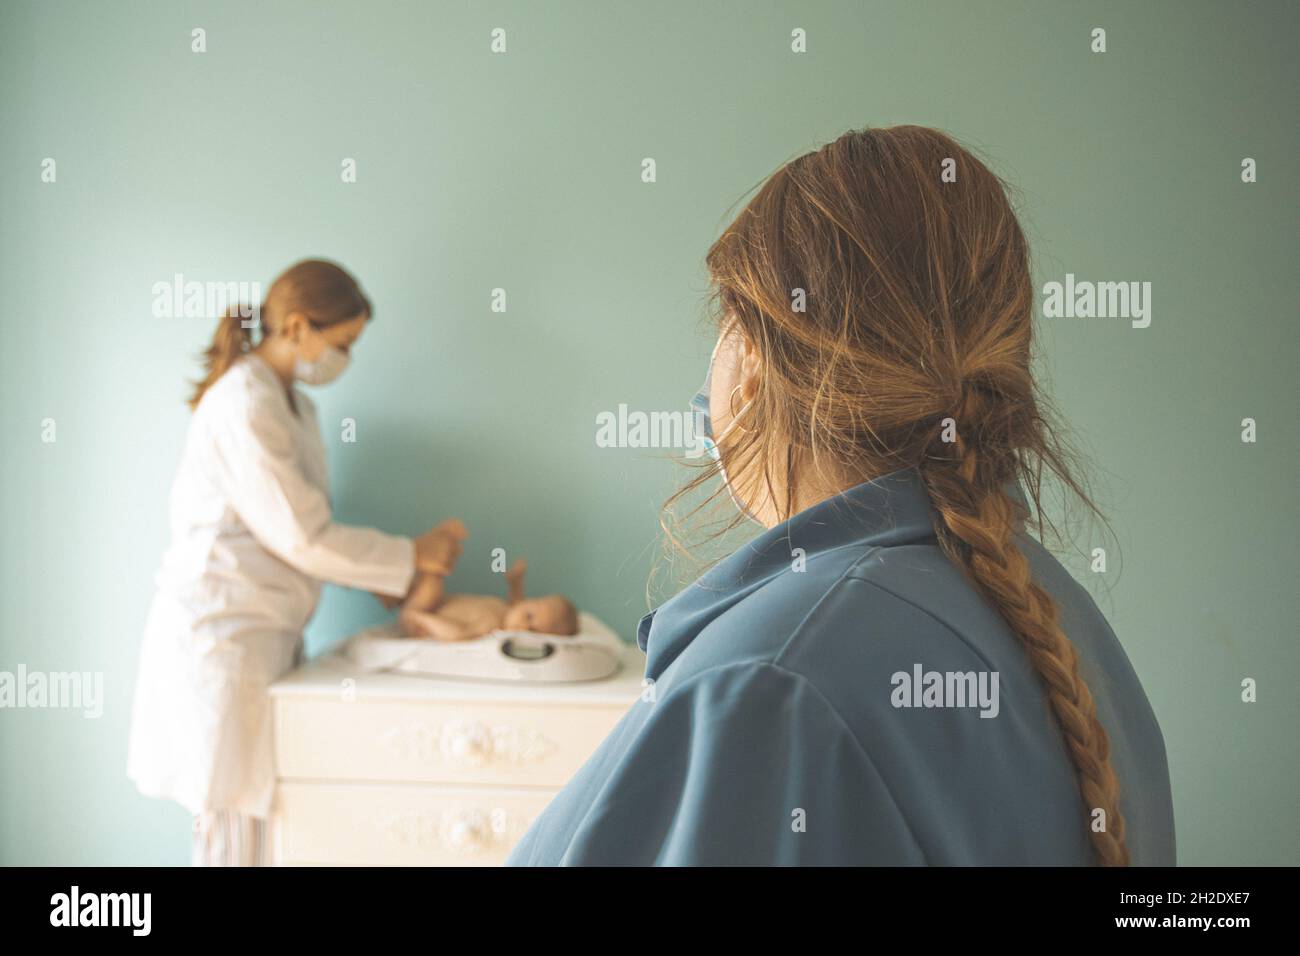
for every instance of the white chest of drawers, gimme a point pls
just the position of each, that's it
(389, 769)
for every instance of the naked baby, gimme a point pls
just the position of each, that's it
(429, 611)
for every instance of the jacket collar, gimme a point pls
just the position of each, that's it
(886, 511)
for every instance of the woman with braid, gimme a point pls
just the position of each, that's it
(895, 671)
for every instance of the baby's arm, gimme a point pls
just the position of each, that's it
(515, 582)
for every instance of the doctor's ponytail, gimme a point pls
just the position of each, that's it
(884, 283)
(231, 340)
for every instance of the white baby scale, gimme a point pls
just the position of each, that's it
(591, 654)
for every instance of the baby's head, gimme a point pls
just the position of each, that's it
(545, 615)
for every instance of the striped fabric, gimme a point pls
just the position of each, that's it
(229, 838)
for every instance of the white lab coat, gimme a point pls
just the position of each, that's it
(251, 539)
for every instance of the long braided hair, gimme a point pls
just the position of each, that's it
(884, 282)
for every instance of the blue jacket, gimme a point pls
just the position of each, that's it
(794, 715)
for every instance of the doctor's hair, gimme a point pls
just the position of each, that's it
(913, 350)
(323, 291)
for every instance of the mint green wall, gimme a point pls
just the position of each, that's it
(522, 171)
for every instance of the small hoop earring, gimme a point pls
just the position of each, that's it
(731, 407)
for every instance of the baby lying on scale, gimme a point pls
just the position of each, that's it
(429, 611)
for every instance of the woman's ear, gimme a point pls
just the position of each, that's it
(295, 325)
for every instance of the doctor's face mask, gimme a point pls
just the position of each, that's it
(329, 365)
(332, 360)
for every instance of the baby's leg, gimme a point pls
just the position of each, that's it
(426, 593)
(416, 623)
(515, 581)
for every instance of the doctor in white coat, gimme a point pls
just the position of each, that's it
(252, 538)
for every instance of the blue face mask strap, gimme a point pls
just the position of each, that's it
(704, 429)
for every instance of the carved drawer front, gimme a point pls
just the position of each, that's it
(377, 825)
(518, 745)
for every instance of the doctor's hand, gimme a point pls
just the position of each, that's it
(438, 549)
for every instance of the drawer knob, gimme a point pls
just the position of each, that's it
(466, 834)
(467, 744)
